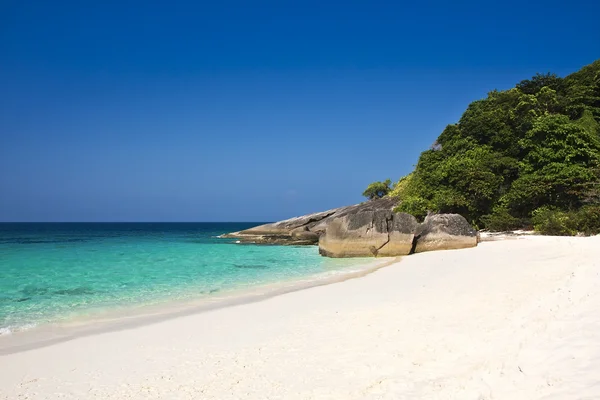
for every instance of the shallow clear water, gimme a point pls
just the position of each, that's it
(53, 272)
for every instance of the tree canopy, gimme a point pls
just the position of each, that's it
(377, 190)
(535, 146)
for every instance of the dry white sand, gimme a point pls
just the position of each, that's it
(514, 319)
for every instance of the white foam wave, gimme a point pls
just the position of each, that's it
(9, 330)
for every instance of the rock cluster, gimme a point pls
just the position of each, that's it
(366, 229)
(384, 233)
(307, 229)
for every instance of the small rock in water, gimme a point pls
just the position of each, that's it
(23, 299)
(75, 291)
(250, 266)
(32, 290)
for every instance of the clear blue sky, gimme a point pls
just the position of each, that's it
(249, 110)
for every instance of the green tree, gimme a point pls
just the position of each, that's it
(539, 81)
(377, 190)
(561, 156)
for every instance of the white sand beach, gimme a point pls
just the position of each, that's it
(512, 319)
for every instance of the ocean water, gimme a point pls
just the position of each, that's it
(51, 273)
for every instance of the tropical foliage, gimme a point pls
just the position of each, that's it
(377, 190)
(525, 156)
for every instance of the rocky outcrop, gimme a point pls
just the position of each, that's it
(369, 233)
(366, 229)
(307, 229)
(444, 232)
(384, 233)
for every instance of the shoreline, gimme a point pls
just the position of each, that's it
(508, 319)
(124, 317)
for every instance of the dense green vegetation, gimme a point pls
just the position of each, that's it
(528, 156)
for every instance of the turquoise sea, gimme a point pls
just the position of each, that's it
(54, 272)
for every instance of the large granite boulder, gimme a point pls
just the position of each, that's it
(368, 233)
(444, 232)
(307, 229)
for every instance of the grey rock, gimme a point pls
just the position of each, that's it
(304, 234)
(444, 232)
(368, 233)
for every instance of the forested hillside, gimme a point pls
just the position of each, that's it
(525, 156)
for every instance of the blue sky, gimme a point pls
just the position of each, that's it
(248, 111)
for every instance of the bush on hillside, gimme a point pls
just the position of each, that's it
(587, 220)
(501, 220)
(552, 221)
